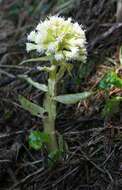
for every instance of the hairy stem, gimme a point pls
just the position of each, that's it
(50, 106)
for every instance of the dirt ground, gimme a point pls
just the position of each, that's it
(93, 160)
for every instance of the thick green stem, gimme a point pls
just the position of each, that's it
(50, 106)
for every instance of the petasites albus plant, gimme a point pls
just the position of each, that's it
(57, 41)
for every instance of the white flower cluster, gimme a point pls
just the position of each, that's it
(59, 38)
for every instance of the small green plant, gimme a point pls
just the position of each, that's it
(59, 41)
(112, 80)
(111, 106)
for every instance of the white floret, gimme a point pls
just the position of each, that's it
(30, 47)
(31, 37)
(40, 49)
(59, 56)
(40, 37)
(80, 42)
(78, 28)
(60, 38)
(39, 27)
(74, 52)
(52, 47)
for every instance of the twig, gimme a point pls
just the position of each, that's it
(94, 164)
(103, 36)
(65, 176)
(15, 67)
(104, 171)
(26, 178)
(5, 135)
(6, 73)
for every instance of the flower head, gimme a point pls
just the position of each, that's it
(59, 38)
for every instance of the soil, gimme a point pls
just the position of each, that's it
(93, 158)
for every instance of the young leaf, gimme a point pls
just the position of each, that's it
(111, 106)
(31, 107)
(54, 157)
(37, 85)
(67, 67)
(72, 98)
(61, 72)
(35, 60)
(37, 139)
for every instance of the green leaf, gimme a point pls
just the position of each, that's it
(34, 109)
(72, 98)
(110, 80)
(35, 60)
(61, 72)
(37, 85)
(61, 143)
(37, 139)
(67, 67)
(54, 157)
(112, 106)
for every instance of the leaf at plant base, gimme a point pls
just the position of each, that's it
(34, 109)
(37, 85)
(35, 60)
(37, 139)
(54, 157)
(111, 107)
(72, 98)
(110, 80)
